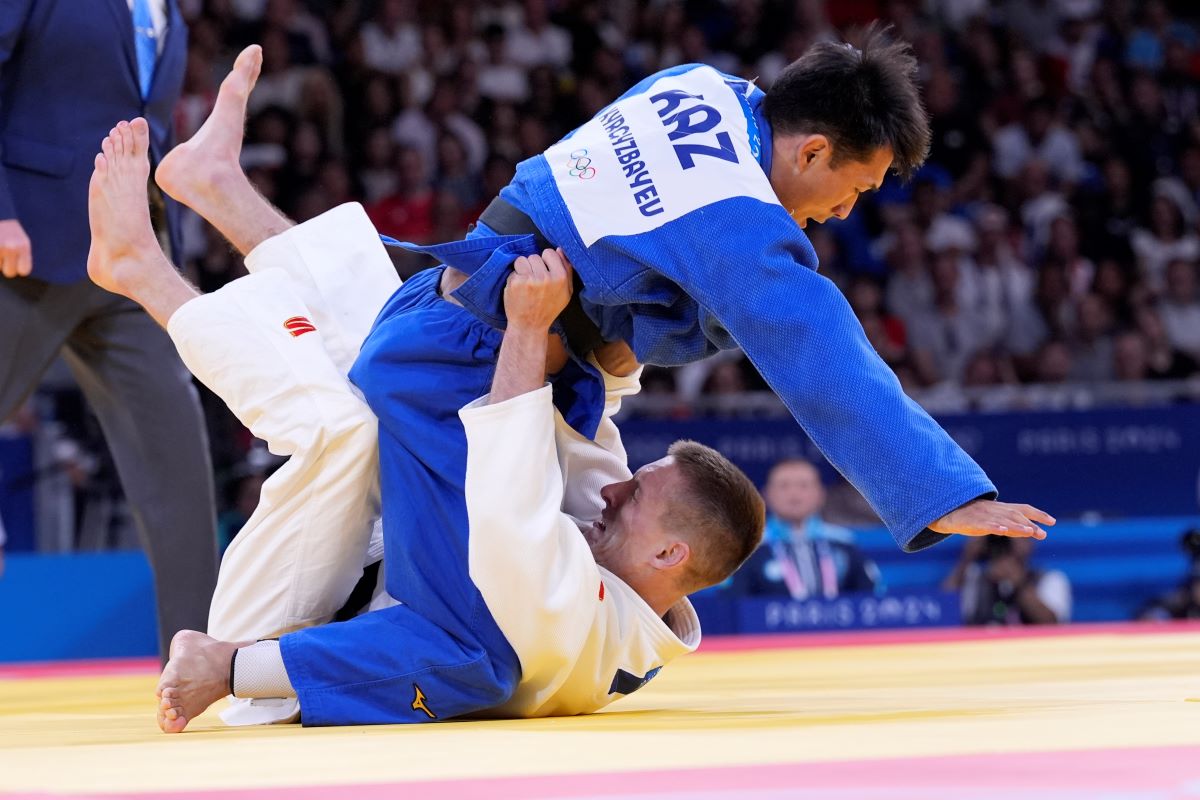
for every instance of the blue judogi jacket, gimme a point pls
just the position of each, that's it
(663, 205)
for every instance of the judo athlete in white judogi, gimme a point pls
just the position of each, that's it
(536, 575)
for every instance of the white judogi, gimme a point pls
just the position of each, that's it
(298, 557)
(583, 636)
(296, 560)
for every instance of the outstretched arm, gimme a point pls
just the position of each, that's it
(800, 332)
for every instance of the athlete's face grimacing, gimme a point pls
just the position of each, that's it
(630, 539)
(811, 189)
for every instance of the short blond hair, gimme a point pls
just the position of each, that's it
(720, 512)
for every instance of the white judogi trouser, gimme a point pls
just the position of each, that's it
(299, 556)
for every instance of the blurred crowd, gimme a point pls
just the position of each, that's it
(1049, 248)
(1051, 240)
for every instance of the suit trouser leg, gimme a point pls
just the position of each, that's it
(152, 421)
(35, 319)
(148, 410)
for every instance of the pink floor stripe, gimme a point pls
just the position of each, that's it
(770, 641)
(1136, 773)
(78, 669)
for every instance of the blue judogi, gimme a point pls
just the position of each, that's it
(440, 655)
(663, 205)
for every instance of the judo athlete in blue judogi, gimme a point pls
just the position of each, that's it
(535, 576)
(681, 207)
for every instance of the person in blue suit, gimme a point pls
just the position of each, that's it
(69, 71)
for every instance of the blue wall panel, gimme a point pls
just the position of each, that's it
(86, 605)
(1120, 462)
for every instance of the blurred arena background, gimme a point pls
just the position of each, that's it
(1036, 287)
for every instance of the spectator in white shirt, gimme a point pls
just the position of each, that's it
(1040, 136)
(1167, 237)
(537, 41)
(500, 79)
(1180, 307)
(391, 42)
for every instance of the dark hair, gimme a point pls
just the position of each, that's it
(861, 100)
(721, 513)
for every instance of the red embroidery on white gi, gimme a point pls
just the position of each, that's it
(298, 326)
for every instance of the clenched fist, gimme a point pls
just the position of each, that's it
(538, 290)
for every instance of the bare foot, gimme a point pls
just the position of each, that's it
(195, 171)
(123, 240)
(196, 676)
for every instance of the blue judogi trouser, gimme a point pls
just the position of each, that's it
(440, 654)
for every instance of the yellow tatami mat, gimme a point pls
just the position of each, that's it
(757, 717)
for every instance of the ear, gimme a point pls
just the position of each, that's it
(812, 149)
(675, 554)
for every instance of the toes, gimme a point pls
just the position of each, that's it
(256, 67)
(170, 708)
(174, 725)
(117, 142)
(140, 136)
(246, 68)
(126, 135)
(171, 721)
(108, 147)
(250, 58)
(170, 712)
(101, 163)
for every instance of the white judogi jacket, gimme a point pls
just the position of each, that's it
(584, 638)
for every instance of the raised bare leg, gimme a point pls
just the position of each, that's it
(125, 256)
(205, 175)
(196, 676)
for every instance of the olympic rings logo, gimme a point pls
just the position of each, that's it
(581, 166)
